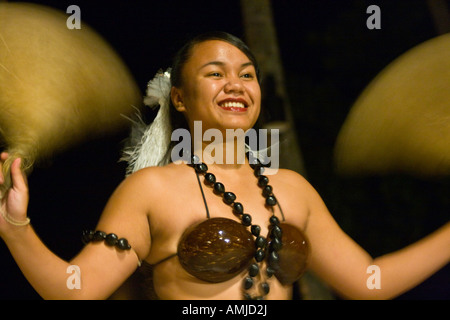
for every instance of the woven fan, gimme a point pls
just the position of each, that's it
(401, 121)
(58, 86)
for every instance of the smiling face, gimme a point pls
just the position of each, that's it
(219, 87)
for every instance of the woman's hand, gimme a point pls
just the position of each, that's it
(14, 202)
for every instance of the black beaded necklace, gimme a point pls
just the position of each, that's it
(266, 249)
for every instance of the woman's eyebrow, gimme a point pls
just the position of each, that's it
(221, 64)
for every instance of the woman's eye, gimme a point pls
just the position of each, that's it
(247, 76)
(215, 74)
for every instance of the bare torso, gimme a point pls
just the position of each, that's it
(180, 205)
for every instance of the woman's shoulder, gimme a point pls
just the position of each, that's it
(294, 183)
(288, 177)
(156, 176)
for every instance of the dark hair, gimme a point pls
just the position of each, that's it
(186, 51)
(183, 55)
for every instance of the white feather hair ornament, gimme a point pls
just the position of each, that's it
(150, 144)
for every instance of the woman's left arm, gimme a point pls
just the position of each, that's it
(352, 272)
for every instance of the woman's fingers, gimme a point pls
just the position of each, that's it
(3, 157)
(15, 201)
(18, 177)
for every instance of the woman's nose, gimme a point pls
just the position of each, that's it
(234, 85)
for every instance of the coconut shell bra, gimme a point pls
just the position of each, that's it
(218, 249)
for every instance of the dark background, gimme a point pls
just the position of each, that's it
(329, 56)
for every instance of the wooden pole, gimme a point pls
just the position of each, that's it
(260, 35)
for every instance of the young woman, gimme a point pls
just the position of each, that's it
(225, 230)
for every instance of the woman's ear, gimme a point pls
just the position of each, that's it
(177, 99)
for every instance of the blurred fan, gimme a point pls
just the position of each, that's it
(57, 86)
(401, 121)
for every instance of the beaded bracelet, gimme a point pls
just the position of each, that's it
(13, 221)
(110, 239)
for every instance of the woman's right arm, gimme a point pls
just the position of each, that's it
(102, 268)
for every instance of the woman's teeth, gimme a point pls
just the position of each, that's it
(232, 105)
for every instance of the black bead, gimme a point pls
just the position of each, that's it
(255, 229)
(258, 170)
(275, 244)
(219, 188)
(274, 258)
(276, 232)
(229, 197)
(246, 219)
(260, 242)
(210, 178)
(195, 159)
(238, 208)
(253, 270)
(270, 271)
(111, 239)
(274, 220)
(87, 236)
(248, 283)
(99, 236)
(265, 287)
(271, 201)
(247, 296)
(267, 191)
(263, 181)
(260, 255)
(122, 244)
(201, 167)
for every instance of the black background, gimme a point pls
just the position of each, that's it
(329, 56)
